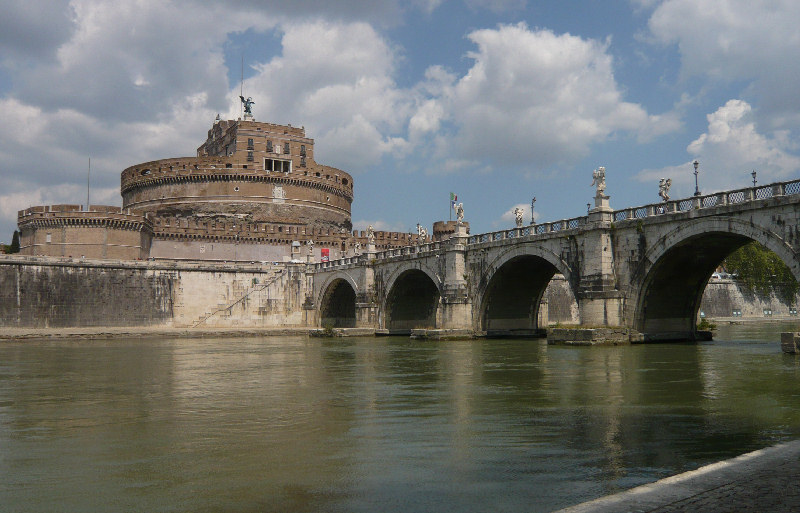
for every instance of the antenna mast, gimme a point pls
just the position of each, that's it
(88, 174)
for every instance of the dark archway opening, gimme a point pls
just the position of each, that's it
(512, 298)
(412, 303)
(673, 289)
(339, 305)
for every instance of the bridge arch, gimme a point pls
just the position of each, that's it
(337, 301)
(413, 299)
(668, 285)
(512, 288)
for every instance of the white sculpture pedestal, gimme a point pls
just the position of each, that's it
(602, 210)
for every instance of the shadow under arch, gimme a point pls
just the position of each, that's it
(412, 302)
(338, 305)
(670, 285)
(511, 291)
(510, 303)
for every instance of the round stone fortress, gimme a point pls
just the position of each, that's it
(256, 172)
(254, 192)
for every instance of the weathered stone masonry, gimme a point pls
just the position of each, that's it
(46, 292)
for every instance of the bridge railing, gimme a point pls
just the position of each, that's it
(654, 209)
(409, 250)
(678, 205)
(388, 253)
(710, 200)
(530, 230)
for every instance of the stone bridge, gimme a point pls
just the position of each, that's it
(642, 268)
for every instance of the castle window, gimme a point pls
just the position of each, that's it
(250, 156)
(269, 146)
(303, 150)
(228, 166)
(250, 144)
(303, 161)
(286, 148)
(145, 172)
(344, 181)
(236, 189)
(280, 166)
(48, 238)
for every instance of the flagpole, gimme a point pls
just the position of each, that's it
(88, 175)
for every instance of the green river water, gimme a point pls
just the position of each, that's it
(376, 424)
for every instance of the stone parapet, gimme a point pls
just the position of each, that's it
(101, 231)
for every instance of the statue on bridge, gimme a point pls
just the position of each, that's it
(310, 245)
(663, 188)
(459, 208)
(533, 217)
(370, 235)
(518, 213)
(599, 180)
(423, 234)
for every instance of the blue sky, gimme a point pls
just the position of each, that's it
(495, 100)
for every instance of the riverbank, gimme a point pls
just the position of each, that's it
(763, 480)
(89, 333)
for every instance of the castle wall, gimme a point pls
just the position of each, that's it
(69, 231)
(40, 292)
(256, 197)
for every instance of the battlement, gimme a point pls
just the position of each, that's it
(52, 215)
(101, 231)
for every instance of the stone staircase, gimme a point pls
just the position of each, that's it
(221, 313)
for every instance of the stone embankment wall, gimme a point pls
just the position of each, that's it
(720, 299)
(41, 292)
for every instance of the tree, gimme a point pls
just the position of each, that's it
(760, 270)
(15, 242)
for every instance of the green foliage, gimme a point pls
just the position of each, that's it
(14, 248)
(327, 329)
(761, 271)
(704, 325)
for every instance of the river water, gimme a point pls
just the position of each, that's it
(376, 424)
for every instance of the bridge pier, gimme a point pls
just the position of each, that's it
(601, 309)
(600, 303)
(456, 306)
(366, 313)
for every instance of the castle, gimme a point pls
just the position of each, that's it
(253, 193)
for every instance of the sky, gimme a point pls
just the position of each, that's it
(497, 101)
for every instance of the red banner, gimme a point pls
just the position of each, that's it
(326, 254)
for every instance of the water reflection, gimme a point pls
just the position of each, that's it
(367, 424)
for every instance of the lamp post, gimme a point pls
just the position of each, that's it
(753, 174)
(696, 188)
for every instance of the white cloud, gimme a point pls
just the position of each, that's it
(71, 194)
(131, 61)
(728, 151)
(732, 40)
(534, 99)
(335, 79)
